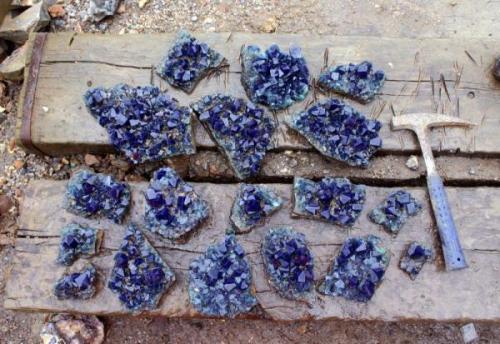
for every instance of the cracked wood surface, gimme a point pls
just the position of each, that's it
(434, 295)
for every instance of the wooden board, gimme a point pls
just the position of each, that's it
(471, 294)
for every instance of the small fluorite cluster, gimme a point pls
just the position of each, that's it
(173, 208)
(357, 271)
(77, 285)
(187, 62)
(274, 78)
(242, 130)
(220, 280)
(288, 262)
(414, 258)
(77, 241)
(335, 200)
(139, 276)
(338, 131)
(91, 194)
(395, 210)
(144, 123)
(358, 81)
(253, 203)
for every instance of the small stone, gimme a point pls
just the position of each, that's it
(270, 25)
(194, 18)
(57, 11)
(91, 160)
(12, 67)
(71, 328)
(77, 285)
(472, 171)
(18, 164)
(469, 333)
(45, 109)
(496, 69)
(412, 163)
(6, 204)
(142, 3)
(414, 258)
(100, 9)
(65, 161)
(17, 29)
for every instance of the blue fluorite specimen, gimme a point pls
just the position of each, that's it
(144, 123)
(414, 258)
(139, 276)
(335, 200)
(220, 280)
(187, 62)
(76, 241)
(395, 210)
(274, 78)
(173, 208)
(77, 285)
(339, 131)
(242, 130)
(358, 81)
(357, 271)
(289, 262)
(90, 194)
(251, 205)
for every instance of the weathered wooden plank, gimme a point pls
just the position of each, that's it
(434, 295)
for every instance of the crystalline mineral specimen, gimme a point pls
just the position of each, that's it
(173, 208)
(395, 210)
(144, 123)
(274, 78)
(358, 81)
(139, 276)
(242, 130)
(357, 271)
(77, 285)
(338, 131)
(76, 241)
(289, 262)
(91, 194)
(251, 205)
(414, 258)
(187, 62)
(220, 280)
(335, 200)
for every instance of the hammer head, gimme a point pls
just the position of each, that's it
(415, 121)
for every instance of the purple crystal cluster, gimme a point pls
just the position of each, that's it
(77, 241)
(338, 131)
(144, 123)
(77, 285)
(335, 200)
(242, 130)
(173, 208)
(414, 258)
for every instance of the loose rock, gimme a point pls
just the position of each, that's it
(13, 66)
(57, 11)
(18, 164)
(68, 328)
(100, 9)
(91, 160)
(17, 29)
(412, 163)
(469, 333)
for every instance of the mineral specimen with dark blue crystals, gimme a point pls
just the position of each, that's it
(251, 205)
(357, 271)
(289, 262)
(274, 78)
(144, 123)
(187, 62)
(173, 208)
(395, 210)
(335, 200)
(77, 285)
(139, 276)
(220, 280)
(338, 131)
(358, 81)
(414, 258)
(90, 194)
(76, 241)
(242, 130)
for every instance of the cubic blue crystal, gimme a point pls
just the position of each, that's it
(357, 271)
(274, 78)
(288, 262)
(77, 241)
(242, 130)
(90, 194)
(414, 258)
(220, 280)
(143, 122)
(77, 285)
(140, 276)
(334, 200)
(173, 208)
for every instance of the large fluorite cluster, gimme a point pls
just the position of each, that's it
(91, 194)
(220, 280)
(289, 262)
(253, 203)
(358, 81)
(77, 285)
(335, 200)
(242, 130)
(357, 271)
(395, 210)
(77, 241)
(187, 62)
(144, 123)
(339, 131)
(274, 78)
(139, 276)
(414, 258)
(173, 208)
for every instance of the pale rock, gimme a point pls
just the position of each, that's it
(91, 160)
(13, 66)
(100, 9)
(412, 163)
(17, 29)
(24, 3)
(142, 3)
(68, 328)
(469, 333)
